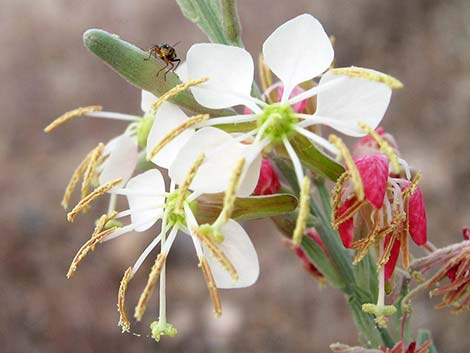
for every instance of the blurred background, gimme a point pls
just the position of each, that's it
(45, 71)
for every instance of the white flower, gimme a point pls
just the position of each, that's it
(227, 261)
(297, 51)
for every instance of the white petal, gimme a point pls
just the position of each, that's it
(239, 249)
(352, 100)
(122, 159)
(168, 117)
(144, 209)
(297, 51)
(222, 154)
(149, 98)
(229, 69)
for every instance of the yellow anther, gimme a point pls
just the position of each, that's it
(184, 187)
(150, 286)
(209, 278)
(217, 253)
(410, 189)
(123, 320)
(91, 169)
(86, 248)
(370, 75)
(231, 193)
(91, 197)
(102, 221)
(384, 146)
(177, 131)
(352, 169)
(336, 195)
(177, 90)
(70, 115)
(303, 212)
(387, 251)
(78, 172)
(364, 244)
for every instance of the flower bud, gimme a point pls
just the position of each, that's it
(268, 182)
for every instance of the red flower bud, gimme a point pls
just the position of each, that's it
(268, 182)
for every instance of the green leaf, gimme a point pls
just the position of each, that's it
(318, 257)
(231, 21)
(130, 62)
(206, 15)
(315, 160)
(245, 208)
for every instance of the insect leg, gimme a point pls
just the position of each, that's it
(170, 69)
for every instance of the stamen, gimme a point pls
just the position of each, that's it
(177, 131)
(387, 251)
(177, 90)
(303, 212)
(91, 197)
(352, 169)
(217, 254)
(410, 189)
(295, 160)
(91, 168)
(78, 172)
(383, 144)
(231, 194)
(123, 320)
(320, 141)
(102, 221)
(150, 286)
(266, 78)
(206, 270)
(336, 194)
(183, 189)
(338, 219)
(86, 248)
(354, 71)
(70, 115)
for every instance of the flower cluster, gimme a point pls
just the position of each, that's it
(245, 155)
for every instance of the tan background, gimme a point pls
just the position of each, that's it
(45, 71)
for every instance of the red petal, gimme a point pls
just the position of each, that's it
(268, 182)
(466, 233)
(374, 174)
(417, 218)
(411, 347)
(392, 260)
(346, 229)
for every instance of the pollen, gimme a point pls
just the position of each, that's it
(123, 320)
(370, 75)
(218, 254)
(77, 174)
(91, 197)
(91, 169)
(231, 193)
(150, 286)
(102, 221)
(177, 90)
(70, 115)
(303, 212)
(352, 169)
(183, 189)
(384, 146)
(86, 248)
(208, 276)
(176, 132)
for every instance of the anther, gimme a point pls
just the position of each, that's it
(77, 174)
(184, 187)
(177, 131)
(102, 221)
(91, 168)
(383, 144)
(91, 197)
(123, 320)
(150, 286)
(354, 71)
(70, 115)
(352, 169)
(177, 90)
(231, 194)
(217, 254)
(206, 270)
(86, 248)
(303, 212)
